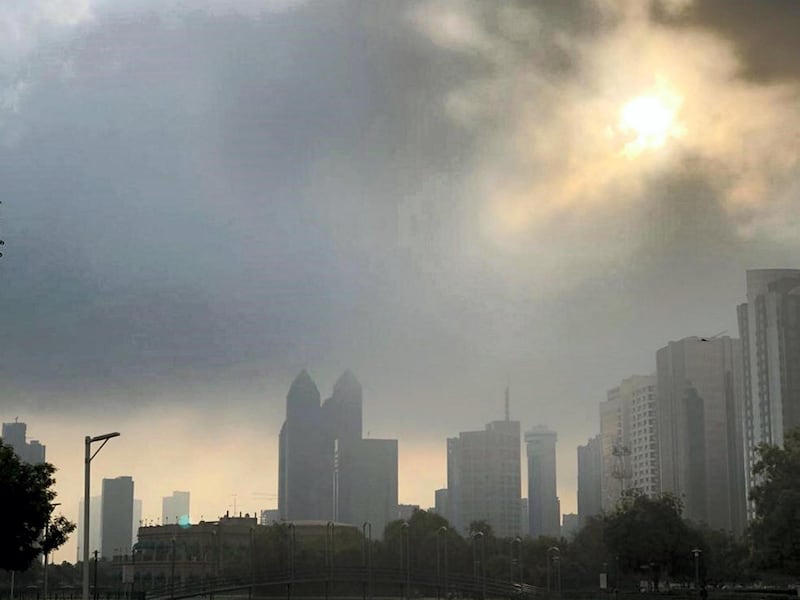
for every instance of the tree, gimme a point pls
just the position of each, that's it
(775, 531)
(28, 506)
(649, 535)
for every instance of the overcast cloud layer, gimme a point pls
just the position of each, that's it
(442, 196)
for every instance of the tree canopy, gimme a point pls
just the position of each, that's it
(775, 531)
(27, 529)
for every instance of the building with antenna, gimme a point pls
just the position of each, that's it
(483, 477)
(629, 439)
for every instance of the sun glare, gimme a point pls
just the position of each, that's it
(649, 121)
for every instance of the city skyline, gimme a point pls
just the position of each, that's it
(202, 199)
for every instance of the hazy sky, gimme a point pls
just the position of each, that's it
(202, 197)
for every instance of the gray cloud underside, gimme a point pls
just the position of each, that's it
(186, 195)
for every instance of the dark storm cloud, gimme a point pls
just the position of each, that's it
(763, 33)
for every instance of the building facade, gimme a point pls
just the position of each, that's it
(699, 392)
(590, 478)
(116, 533)
(543, 509)
(483, 471)
(175, 508)
(15, 435)
(629, 439)
(327, 470)
(769, 326)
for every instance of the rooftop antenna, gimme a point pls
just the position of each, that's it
(508, 408)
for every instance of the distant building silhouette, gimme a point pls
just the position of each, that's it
(590, 478)
(699, 389)
(327, 470)
(406, 511)
(14, 435)
(570, 525)
(524, 517)
(305, 485)
(543, 507)
(175, 508)
(95, 525)
(440, 502)
(769, 326)
(483, 478)
(116, 533)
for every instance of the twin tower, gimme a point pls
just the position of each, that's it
(326, 470)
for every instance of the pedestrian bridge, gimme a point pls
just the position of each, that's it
(350, 582)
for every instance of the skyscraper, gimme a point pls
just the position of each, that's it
(699, 387)
(116, 534)
(590, 474)
(543, 508)
(326, 469)
(175, 508)
(365, 483)
(15, 435)
(769, 325)
(483, 472)
(305, 482)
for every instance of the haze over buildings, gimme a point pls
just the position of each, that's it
(202, 198)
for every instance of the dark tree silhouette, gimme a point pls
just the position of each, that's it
(27, 529)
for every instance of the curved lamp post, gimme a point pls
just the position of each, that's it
(87, 461)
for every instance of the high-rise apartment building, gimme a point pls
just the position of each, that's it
(769, 326)
(15, 435)
(590, 478)
(699, 392)
(483, 477)
(175, 508)
(116, 534)
(629, 439)
(543, 509)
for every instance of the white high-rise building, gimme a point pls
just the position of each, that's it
(629, 439)
(769, 326)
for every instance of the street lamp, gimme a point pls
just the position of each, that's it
(87, 461)
(551, 549)
(697, 552)
(441, 533)
(405, 556)
(366, 537)
(478, 535)
(518, 541)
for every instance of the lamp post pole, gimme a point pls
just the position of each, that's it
(697, 552)
(441, 533)
(87, 461)
(366, 535)
(478, 535)
(405, 556)
(549, 550)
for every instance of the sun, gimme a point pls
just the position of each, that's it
(648, 121)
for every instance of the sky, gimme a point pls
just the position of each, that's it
(202, 198)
